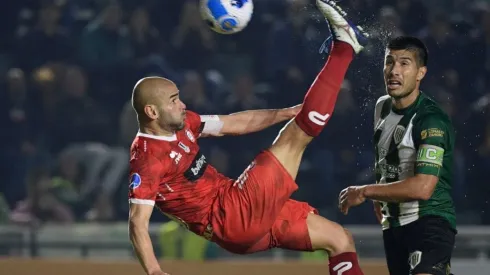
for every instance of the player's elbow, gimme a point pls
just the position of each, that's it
(426, 187)
(137, 235)
(424, 195)
(137, 227)
(139, 217)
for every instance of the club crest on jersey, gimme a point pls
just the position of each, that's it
(184, 147)
(415, 258)
(190, 135)
(398, 134)
(135, 181)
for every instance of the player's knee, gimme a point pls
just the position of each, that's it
(349, 238)
(343, 243)
(329, 236)
(291, 135)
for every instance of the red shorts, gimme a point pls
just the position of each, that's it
(255, 213)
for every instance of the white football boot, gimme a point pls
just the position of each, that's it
(340, 27)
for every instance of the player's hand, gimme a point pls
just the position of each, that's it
(159, 273)
(349, 197)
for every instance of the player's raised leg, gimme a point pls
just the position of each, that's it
(320, 99)
(289, 146)
(258, 213)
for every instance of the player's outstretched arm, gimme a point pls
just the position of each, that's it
(139, 220)
(432, 138)
(418, 187)
(251, 121)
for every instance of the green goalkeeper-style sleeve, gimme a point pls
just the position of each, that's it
(431, 140)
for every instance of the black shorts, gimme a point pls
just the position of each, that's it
(421, 247)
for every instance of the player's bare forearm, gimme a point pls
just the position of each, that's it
(143, 247)
(139, 219)
(251, 121)
(418, 187)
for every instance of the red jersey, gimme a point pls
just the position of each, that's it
(172, 174)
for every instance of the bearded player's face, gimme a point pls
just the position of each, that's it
(402, 74)
(172, 112)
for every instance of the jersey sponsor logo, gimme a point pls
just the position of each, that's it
(430, 154)
(431, 132)
(318, 118)
(197, 168)
(398, 134)
(342, 267)
(135, 181)
(414, 259)
(175, 156)
(184, 147)
(190, 135)
(389, 171)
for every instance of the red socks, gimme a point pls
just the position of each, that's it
(344, 264)
(320, 100)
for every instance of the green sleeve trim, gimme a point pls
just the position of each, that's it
(427, 169)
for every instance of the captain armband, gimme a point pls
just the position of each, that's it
(430, 154)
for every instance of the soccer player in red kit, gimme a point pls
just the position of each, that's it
(254, 212)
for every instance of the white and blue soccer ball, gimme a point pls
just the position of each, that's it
(227, 16)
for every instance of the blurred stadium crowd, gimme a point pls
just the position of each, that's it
(68, 67)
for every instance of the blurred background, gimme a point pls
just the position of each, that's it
(67, 69)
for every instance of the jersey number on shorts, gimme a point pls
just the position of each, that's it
(342, 267)
(318, 118)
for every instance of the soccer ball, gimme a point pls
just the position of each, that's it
(227, 16)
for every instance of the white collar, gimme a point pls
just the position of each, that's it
(165, 138)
